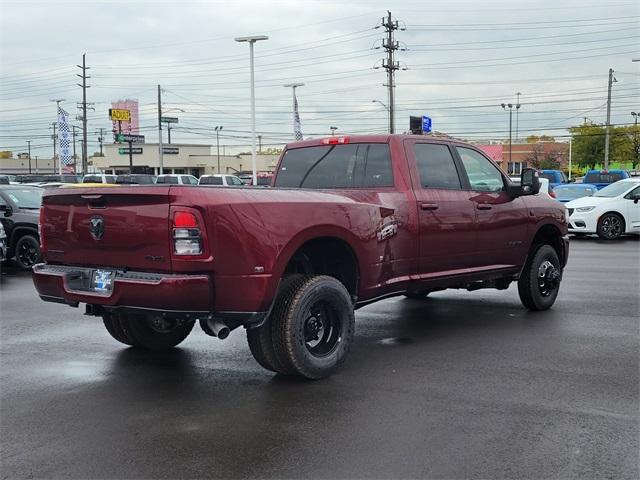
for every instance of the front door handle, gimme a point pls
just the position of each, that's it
(484, 206)
(429, 206)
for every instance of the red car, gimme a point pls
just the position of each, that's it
(351, 220)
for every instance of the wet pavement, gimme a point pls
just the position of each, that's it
(462, 385)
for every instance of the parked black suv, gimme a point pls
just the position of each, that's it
(19, 214)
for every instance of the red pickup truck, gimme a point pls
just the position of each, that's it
(351, 220)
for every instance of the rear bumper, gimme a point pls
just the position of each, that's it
(138, 290)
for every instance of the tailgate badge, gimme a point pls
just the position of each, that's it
(96, 227)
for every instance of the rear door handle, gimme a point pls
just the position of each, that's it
(484, 206)
(429, 206)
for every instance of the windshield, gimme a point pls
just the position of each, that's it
(168, 179)
(574, 192)
(30, 198)
(549, 176)
(210, 180)
(614, 189)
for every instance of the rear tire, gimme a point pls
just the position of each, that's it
(27, 252)
(148, 332)
(610, 226)
(260, 339)
(539, 282)
(313, 326)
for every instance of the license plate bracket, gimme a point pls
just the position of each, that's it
(102, 280)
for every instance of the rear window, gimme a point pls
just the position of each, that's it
(210, 180)
(574, 192)
(172, 180)
(549, 176)
(92, 179)
(358, 165)
(602, 177)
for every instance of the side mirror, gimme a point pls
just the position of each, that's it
(8, 211)
(635, 197)
(529, 182)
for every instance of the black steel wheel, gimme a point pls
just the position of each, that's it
(27, 252)
(540, 279)
(313, 326)
(610, 226)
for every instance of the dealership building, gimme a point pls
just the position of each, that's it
(178, 158)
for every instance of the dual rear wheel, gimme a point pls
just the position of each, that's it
(310, 330)
(149, 332)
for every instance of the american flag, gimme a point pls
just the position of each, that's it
(64, 139)
(297, 128)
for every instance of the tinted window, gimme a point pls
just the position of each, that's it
(92, 179)
(436, 166)
(483, 175)
(336, 166)
(598, 177)
(26, 198)
(549, 176)
(210, 180)
(172, 180)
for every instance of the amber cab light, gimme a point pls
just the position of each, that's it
(185, 220)
(335, 140)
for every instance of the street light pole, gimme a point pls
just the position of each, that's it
(29, 154)
(251, 40)
(218, 129)
(387, 109)
(517, 110)
(510, 107)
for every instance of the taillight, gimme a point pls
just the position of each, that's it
(187, 237)
(335, 140)
(41, 229)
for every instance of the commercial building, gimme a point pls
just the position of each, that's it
(19, 165)
(179, 158)
(526, 154)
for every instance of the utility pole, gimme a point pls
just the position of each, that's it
(517, 110)
(29, 153)
(390, 65)
(161, 169)
(84, 87)
(100, 140)
(259, 143)
(55, 124)
(608, 126)
(218, 129)
(73, 134)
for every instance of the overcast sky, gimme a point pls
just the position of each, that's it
(463, 59)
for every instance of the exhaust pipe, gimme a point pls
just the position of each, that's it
(215, 328)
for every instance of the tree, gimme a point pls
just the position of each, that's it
(588, 145)
(540, 160)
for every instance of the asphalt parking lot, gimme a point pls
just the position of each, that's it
(462, 385)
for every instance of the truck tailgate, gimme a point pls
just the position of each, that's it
(122, 227)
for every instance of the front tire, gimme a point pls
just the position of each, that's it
(27, 252)
(148, 332)
(539, 282)
(313, 326)
(610, 226)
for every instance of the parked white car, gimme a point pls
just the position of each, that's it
(545, 190)
(610, 212)
(221, 179)
(177, 179)
(99, 178)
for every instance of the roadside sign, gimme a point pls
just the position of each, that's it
(169, 119)
(134, 151)
(119, 115)
(127, 137)
(426, 124)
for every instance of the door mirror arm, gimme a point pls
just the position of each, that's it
(8, 211)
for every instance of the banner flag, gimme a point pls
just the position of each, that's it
(297, 128)
(64, 139)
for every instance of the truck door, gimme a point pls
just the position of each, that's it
(445, 210)
(501, 220)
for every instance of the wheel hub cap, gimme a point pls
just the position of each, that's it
(548, 278)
